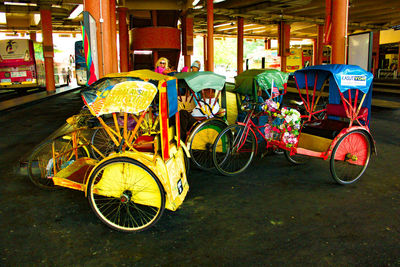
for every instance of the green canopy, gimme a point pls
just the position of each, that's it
(247, 81)
(200, 80)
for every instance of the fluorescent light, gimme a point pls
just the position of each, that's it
(198, 7)
(19, 4)
(225, 29)
(77, 11)
(218, 1)
(142, 52)
(256, 28)
(220, 25)
(195, 2)
(3, 19)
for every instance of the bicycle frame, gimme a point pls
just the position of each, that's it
(250, 126)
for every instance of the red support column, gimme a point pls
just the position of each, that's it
(123, 39)
(283, 43)
(187, 39)
(32, 36)
(375, 52)
(210, 35)
(93, 7)
(320, 45)
(267, 43)
(205, 51)
(154, 22)
(113, 25)
(106, 39)
(339, 31)
(398, 60)
(240, 28)
(314, 52)
(48, 51)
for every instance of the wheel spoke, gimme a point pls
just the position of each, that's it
(137, 200)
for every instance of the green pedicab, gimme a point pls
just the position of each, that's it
(199, 95)
(253, 88)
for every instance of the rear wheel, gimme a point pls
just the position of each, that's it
(350, 157)
(233, 151)
(126, 195)
(103, 142)
(296, 159)
(202, 142)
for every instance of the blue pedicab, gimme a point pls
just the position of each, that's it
(343, 136)
(199, 95)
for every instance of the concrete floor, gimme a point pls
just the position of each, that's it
(273, 214)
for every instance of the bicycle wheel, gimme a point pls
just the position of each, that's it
(296, 159)
(202, 142)
(233, 151)
(102, 141)
(350, 157)
(125, 195)
(41, 163)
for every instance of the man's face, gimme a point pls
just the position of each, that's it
(195, 69)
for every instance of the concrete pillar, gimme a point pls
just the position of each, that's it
(32, 36)
(240, 28)
(319, 45)
(210, 35)
(283, 43)
(339, 31)
(123, 39)
(113, 27)
(48, 50)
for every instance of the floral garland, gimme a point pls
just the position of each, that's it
(289, 123)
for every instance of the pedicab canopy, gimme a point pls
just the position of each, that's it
(345, 76)
(200, 80)
(130, 92)
(343, 79)
(266, 79)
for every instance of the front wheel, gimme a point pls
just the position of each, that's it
(350, 157)
(126, 195)
(202, 142)
(234, 149)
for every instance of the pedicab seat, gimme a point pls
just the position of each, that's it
(329, 128)
(339, 111)
(145, 143)
(324, 128)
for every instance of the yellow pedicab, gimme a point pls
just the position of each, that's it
(129, 188)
